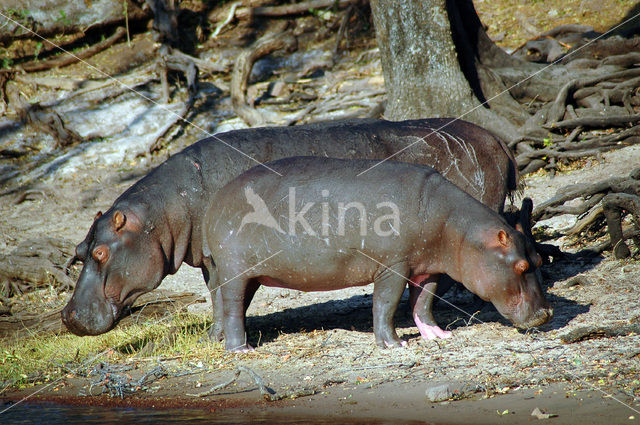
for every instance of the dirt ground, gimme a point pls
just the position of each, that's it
(316, 351)
(322, 343)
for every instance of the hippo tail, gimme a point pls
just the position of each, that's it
(514, 186)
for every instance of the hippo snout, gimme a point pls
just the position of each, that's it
(538, 318)
(95, 320)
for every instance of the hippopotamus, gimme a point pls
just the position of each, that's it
(293, 228)
(156, 224)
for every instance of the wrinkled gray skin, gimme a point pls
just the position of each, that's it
(439, 229)
(156, 225)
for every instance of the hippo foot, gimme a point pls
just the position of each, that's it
(246, 348)
(216, 333)
(391, 343)
(430, 332)
(395, 344)
(621, 250)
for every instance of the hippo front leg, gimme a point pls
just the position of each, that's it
(210, 274)
(421, 300)
(388, 287)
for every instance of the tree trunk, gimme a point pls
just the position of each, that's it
(432, 58)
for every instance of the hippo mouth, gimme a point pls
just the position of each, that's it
(524, 315)
(539, 318)
(91, 318)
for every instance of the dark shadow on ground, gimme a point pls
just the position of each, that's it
(355, 313)
(460, 308)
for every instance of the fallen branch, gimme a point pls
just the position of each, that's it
(311, 106)
(613, 204)
(242, 70)
(33, 264)
(69, 58)
(290, 9)
(600, 331)
(585, 221)
(626, 234)
(596, 122)
(173, 119)
(218, 387)
(624, 60)
(96, 91)
(267, 393)
(228, 19)
(599, 141)
(40, 117)
(618, 195)
(576, 209)
(118, 384)
(571, 192)
(170, 60)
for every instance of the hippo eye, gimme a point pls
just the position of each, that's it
(521, 266)
(100, 254)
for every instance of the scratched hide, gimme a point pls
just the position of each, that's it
(161, 215)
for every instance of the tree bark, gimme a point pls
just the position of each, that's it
(432, 53)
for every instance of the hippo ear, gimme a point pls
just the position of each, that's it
(97, 216)
(503, 238)
(537, 260)
(119, 219)
(521, 266)
(81, 251)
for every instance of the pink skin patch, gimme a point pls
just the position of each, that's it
(430, 332)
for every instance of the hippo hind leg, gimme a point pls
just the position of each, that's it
(388, 287)
(236, 297)
(421, 299)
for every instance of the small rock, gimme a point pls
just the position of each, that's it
(542, 415)
(447, 390)
(437, 393)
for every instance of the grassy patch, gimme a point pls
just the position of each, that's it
(41, 358)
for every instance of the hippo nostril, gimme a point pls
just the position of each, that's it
(541, 317)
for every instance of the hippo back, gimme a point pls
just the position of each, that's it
(467, 155)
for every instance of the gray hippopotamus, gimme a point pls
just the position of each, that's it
(156, 225)
(323, 224)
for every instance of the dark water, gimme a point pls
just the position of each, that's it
(52, 414)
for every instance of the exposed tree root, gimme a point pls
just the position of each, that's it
(267, 393)
(35, 263)
(68, 59)
(610, 197)
(600, 331)
(242, 70)
(613, 205)
(289, 9)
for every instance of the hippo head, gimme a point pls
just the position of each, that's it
(121, 262)
(500, 266)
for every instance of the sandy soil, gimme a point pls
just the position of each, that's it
(323, 342)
